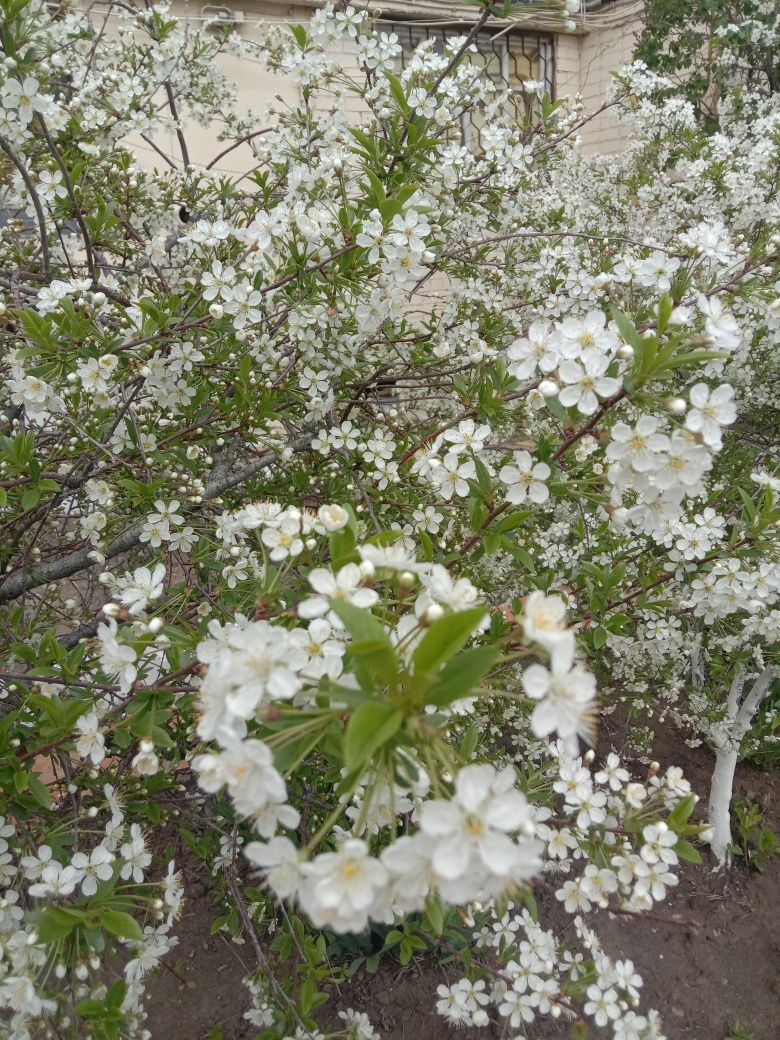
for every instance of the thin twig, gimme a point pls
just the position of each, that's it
(36, 201)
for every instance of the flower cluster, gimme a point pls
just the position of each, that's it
(338, 470)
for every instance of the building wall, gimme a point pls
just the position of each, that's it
(256, 88)
(583, 63)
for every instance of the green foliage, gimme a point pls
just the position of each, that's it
(756, 843)
(738, 1032)
(703, 45)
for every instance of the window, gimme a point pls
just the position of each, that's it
(508, 58)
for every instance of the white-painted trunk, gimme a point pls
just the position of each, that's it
(721, 789)
(727, 743)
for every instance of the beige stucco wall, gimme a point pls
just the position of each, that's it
(256, 88)
(583, 63)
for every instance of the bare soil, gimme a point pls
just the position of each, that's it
(709, 955)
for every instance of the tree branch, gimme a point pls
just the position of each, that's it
(91, 265)
(36, 201)
(20, 581)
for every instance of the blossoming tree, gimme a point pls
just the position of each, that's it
(336, 495)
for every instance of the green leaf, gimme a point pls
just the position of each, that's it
(334, 693)
(89, 1008)
(371, 726)
(749, 504)
(521, 556)
(686, 851)
(491, 541)
(361, 624)
(56, 923)
(665, 308)
(119, 923)
(445, 637)
(342, 547)
(469, 743)
(116, 994)
(39, 791)
(377, 657)
(626, 327)
(511, 521)
(397, 90)
(458, 678)
(299, 32)
(599, 637)
(435, 915)
(306, 995)
(680, 815)
(530, 902)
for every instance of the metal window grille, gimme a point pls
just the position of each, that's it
(508, 58)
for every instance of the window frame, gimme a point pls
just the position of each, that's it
(536, 46)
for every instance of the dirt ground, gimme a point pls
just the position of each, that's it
(709, 956)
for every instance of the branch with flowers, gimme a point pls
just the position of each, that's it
(338, 496)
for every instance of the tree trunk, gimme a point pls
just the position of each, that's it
(720, 798)
(727, 743)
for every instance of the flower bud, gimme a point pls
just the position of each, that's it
(156, 625)
(549, 388)
(111, 610)
(626, 352)
(675, 405)
(433, 613)
(367, 570)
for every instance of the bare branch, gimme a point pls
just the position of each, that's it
(20, 581)
(36, 201)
